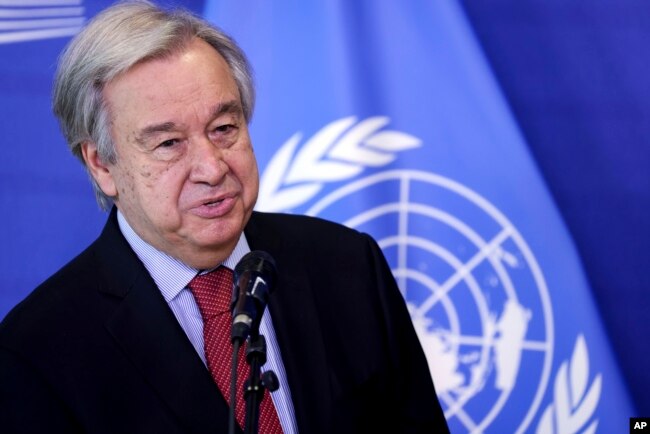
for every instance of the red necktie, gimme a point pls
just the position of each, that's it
(213, 292)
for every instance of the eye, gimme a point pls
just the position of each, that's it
(226, 128)
(168, 143)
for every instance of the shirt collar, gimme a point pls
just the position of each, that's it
(171, 275)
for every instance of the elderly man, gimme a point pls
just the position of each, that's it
(128, 336)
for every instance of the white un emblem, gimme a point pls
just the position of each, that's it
(477, 296)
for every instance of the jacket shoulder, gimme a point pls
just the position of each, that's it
(313, 243)
(302, 227)
(49, 300)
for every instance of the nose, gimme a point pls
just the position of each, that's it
(207, 163)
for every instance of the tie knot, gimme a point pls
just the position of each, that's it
(212, 292)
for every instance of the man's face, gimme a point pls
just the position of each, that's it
(186, 178)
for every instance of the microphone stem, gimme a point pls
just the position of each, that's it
(233, 385)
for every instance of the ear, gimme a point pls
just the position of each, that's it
(100, 171)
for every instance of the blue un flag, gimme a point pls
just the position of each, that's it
(385, 117)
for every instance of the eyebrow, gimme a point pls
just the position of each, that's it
(151, 130)
(228, 107)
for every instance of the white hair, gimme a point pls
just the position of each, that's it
(114, 41)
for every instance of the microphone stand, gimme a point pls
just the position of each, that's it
(254, 387)
(236, 344)
(253, 278)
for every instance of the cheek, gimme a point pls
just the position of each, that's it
(248, 177)
(126, 184)
(152, 187)
(145, 171)
(160, 181)
(254, 180)
(242, 164)
(248, 168)
(149, 179)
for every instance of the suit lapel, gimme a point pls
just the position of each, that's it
(295, 321)
(149, 335)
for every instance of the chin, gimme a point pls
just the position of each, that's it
(219, 239)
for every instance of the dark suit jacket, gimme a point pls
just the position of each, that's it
(96, 348)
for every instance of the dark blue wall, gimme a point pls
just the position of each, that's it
(576, 75)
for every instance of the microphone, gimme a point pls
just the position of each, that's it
(253, 280)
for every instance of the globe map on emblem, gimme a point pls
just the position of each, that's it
(477, 297)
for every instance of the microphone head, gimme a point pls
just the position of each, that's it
(253, 280)
(258, 263)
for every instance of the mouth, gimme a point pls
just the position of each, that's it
(214, 207)
(213, 203)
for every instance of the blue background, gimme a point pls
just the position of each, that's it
(574, 75)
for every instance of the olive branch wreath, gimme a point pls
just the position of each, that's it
(573, 402)
(338, 151)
